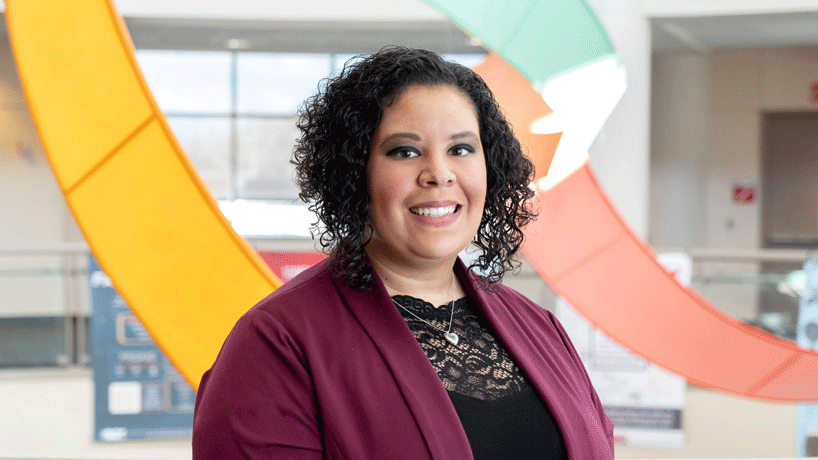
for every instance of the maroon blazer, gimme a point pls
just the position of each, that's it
(318, 370)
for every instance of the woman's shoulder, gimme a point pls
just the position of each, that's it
(296, 314)
(310, 290)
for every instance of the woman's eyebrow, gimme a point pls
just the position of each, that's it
(416, 138)
(463, 134)
(401, 136)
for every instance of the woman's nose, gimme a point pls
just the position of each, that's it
(436, 172)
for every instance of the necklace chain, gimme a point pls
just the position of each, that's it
(447, 334)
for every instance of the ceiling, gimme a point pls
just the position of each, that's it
(328, 37)
(702, 34)
(294, 36)
(697, 34)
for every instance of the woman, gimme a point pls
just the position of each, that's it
(392, 348)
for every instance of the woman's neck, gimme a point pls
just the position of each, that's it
(434, 284)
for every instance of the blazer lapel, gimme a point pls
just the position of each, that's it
(414, 374)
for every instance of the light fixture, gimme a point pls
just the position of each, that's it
(238, 43)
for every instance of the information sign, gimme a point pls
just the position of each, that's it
(138, 393)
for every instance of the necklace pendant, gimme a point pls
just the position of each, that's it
(451, 337)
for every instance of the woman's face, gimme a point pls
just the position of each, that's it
(426, 176)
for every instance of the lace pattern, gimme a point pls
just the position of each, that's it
(478, 366)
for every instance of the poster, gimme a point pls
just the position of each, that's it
(138, 394)
(645, 402)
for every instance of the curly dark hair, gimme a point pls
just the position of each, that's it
(330, 159)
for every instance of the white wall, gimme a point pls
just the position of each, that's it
(621, 150)
(743, 85)
(32, 210)
(50, 414)
(739, 85)
(678, 150)
(722, 426)
(737, 88)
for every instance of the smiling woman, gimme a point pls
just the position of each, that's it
(392, 347)
(426, 178)
(338, 127)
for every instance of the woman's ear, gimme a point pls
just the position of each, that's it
(369, 232)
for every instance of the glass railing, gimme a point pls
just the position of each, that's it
(761, 287)
(45, 311)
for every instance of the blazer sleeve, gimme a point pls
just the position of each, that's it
(257, 401)
(607, 424)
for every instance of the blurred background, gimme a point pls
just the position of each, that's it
(713, 152)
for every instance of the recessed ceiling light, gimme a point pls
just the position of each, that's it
(238, 43)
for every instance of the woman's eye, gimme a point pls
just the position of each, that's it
(402, 152)
(462, 150)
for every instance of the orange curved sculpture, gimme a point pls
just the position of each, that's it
(586, 253)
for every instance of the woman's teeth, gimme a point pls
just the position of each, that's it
(434, 212)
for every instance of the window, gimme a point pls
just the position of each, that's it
(235, 114)
(277, 83)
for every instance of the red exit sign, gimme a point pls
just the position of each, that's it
(744, 193)
(813, 92)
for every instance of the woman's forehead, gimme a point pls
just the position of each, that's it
(423, 110)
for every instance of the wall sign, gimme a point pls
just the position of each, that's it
(744, 193)
(138, 394)
(813, 92)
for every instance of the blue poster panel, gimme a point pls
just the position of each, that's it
(138, 394)
(807, 335)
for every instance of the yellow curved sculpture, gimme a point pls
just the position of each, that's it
(147, 216)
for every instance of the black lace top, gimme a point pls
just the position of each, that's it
(478, 366)
(501, 413)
